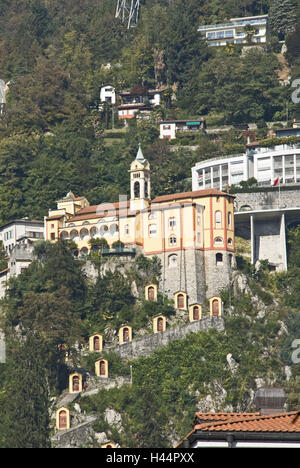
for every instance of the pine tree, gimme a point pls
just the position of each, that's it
(282, 18)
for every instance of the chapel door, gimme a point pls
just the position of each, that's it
(160, 324)
(63, 420)
(180, 301)
(196, 313)
(76, 383)
(215, 308)
(102, 368)
(96, 343)
(151, 296)
(125, 335)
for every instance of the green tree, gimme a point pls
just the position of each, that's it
(25, 415)
(282, 17)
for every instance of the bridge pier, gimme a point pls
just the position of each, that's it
(267, 231)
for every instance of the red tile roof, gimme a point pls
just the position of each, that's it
(247, 422)
(284, 422)
(281, 422)
(98, 211)
(213, 417)
(55, 217)
(193, 194)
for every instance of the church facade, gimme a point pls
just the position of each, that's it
(192, 233)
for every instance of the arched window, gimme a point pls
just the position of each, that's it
(152, 230)
(114, 228)
(172, 241)
(136, 189)
(218, 219)
(73, 234)
(229, 242)
(218, 241)
(172, 261)
(84, 251)
(146, 188)
(83, 233)
(229, 218)
(172, 223)
(152, 216)
(103, 230)
(196, 313)
(219, 258)
(93, 231)
(64, 235)
(85, 223)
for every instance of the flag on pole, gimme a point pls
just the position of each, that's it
(276, 181)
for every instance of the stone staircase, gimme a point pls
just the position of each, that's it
(81, 432)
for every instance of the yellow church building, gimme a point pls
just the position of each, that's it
(192, 232)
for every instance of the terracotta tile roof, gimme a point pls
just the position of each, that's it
(281, 422)
(98, 211)
(285, 422)
(213, 417)
(194, 194)
(54, 217)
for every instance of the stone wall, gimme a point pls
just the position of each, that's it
(148, 344)
(217, 274)
(268, 200)
(187, 275)
(75, 437)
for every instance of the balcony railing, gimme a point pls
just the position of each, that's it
(235, 23)
(119, 251)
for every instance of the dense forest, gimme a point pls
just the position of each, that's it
(55, 55)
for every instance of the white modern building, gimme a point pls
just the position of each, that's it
(235, 31)
(108, 94)
(264, 164)
(19, 231)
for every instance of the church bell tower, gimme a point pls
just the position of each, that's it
(140, 187)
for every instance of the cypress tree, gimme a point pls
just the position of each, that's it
(26, 410)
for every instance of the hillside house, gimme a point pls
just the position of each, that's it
(138, 99)
(169, 129)
(129, 111)
(108, 94)
(294, 130)
(20, 231)
(236, 31)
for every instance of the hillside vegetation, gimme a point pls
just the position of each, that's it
(56, 54)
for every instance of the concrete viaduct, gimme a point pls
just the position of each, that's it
(264, 217)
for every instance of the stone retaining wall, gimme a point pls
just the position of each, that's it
(148, 344)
